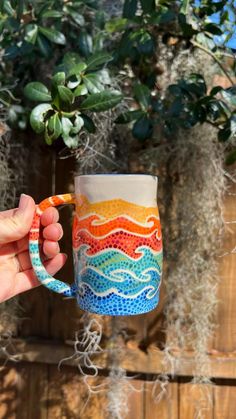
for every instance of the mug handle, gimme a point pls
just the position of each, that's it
(43, 276)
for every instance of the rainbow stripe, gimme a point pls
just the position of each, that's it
(117, 252)
(118, 256)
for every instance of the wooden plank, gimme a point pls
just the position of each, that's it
(196, 401)
(23, 391)
(68, 396)
(32, 391)
(167, 407)
(136, 399)
(225, 335)
(8, 400)
(224, 402)
(134, 360)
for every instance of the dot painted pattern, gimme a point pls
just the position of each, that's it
(118, 257)
(117, 253)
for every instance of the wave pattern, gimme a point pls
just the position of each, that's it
(118, 256)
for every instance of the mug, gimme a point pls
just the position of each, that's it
(117, 244)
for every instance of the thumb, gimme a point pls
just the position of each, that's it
(18, 225)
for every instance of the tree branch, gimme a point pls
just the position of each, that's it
(196, 44)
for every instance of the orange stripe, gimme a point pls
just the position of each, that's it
(120, 223)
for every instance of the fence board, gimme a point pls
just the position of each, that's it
(195, 401)
(225, 336)
(167, 407)
(224, 402)
(68, 396)
(8, 380)
(136, 400)
(223, 365)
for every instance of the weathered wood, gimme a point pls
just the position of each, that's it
(8, 400)
(225, 335)
(136, 400)
(32, 392)
(196, 401)
(68, 396)
(167, 407)
(23, 391)
(223, 365)
(224, 402)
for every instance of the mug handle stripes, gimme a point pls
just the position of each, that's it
(43, 276)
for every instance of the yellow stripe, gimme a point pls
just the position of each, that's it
(114, 208)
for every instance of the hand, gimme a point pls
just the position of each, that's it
(16, 273)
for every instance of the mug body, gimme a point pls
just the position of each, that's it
(117, 244)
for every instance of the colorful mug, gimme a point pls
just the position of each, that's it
(117, 244)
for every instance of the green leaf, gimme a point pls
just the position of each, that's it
(66, 126)
(44, 46)
(78, 125)
(74, 82)
(37, 91)
(146, 43)
(130, 8)
(92, 83)
(7, 8)
(215, 90)
(143, 128)
(80, 90)
(167, 17)
(143, 95)
(176, 108)
(59, 78)
(116, 25)
(54, 125)
(224, 134)
(31, 33)
(231, 158)
(88, 124)
(71, 142)
(67, 130)
(102, 101)
(85, 43)
(48, 138)
(187, 29)
(65, 94)
(129, 116)
(197, 84)
(37, 117)
(98, 59)
(217, 109)
(229, 95)
(77, 69)
(104, 76)
(53, 35)
(185, 7)
(20, 8)
(51, 13)
(213, 28)
(233, 124)
(148, 6)
(77, 17)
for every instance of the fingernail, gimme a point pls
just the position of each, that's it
(24, 201)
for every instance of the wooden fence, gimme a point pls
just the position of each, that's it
(35, 388)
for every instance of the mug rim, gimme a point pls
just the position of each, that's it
(118, 174)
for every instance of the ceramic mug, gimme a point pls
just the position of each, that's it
(117, 244)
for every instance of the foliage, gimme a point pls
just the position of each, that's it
(43, 35)
(76, 88)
